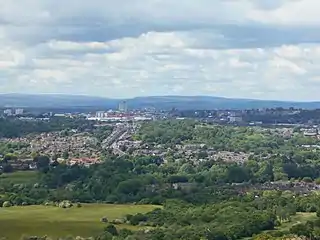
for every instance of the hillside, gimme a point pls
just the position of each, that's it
(158, 102)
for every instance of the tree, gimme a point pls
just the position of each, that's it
(187, 168)
(42, 162)
(111, 229)
(307, 179)
(237, 174)
(301, 229)
(7, 168)
(129, 186)
(9, 157)
(65, 155)
(317, 181)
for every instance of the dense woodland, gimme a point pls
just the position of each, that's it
(199, 200)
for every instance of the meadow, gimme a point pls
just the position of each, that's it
(57, 222)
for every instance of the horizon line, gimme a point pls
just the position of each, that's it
(158, 96)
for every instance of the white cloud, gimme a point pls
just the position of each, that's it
(234, 48)
(294, 12)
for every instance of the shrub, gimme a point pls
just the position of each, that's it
(6, 204)
(111, 229)
(78, 205)
(65, 204)
(118, 221)
(104, 220)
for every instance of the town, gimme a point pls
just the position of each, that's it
(89, 146)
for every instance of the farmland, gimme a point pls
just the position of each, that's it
(56, 222)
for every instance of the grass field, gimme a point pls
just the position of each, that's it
(56, 222)
(19, 177)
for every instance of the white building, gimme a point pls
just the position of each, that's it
(19, 111)
(100, 114)
(235, 117)
(7, 112)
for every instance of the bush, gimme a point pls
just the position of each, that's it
(6, 204)
(118, 221)
(128, 217)
(65, 204)
(111, 229)
(136, 219)
(78, 205)
(49, 203)
(307, 179)
(125, 233)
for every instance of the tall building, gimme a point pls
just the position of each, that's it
(123, 106)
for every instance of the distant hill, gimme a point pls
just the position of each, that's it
(54, 101)
(207, 102)
(159, 102)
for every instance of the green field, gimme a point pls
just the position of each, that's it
(57, 222)
(19, 177)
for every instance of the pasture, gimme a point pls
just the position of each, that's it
(57, 222)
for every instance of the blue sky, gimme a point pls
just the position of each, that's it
(265, 49)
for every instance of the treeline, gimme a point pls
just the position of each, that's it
(134, 179)
(119, 180)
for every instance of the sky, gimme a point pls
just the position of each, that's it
(262, 49)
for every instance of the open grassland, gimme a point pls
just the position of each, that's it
(56, 222)
(19, 177)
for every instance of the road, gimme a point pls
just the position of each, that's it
(111, 142)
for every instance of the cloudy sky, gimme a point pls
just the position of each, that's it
(265, 49)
